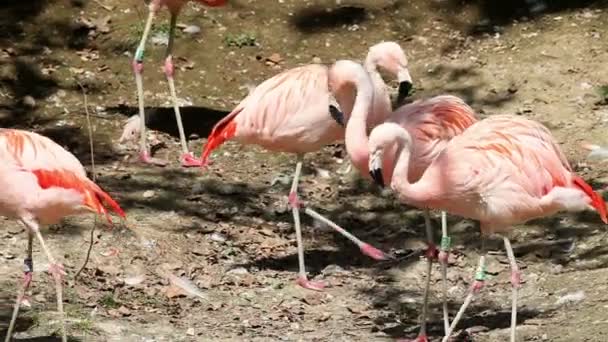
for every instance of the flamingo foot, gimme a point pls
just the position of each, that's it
(310, 285)
(188, 160)
(373, 252)
(146, 158)
(420, 338)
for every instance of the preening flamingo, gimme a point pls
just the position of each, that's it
(296, 112)
(390, 57)
(42, 183)
(174, 6)
(433, 123)
(502, 171)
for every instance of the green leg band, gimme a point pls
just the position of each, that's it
(139, 54)
(480, 275)
(446, 243)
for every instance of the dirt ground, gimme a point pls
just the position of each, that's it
(227, 230)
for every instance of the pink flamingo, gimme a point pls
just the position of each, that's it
(296, 112)
(42, 183)
(174, 6)
(502, 171)
(432, 123)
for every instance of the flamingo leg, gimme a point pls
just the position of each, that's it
(138, 67)
(431, 254)
(480, 276)
(295, 208)
(443, 259)
(56, 270)
(187, 158)
(366, 248)
(27, 279)
(515, 282)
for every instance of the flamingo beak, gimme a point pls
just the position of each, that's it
(405, 85)
(375, 169)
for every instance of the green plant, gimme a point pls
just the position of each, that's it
(108, 301)
(240, 40)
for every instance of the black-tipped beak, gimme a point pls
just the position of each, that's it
(404, 90)
(377, 177)
(337, 115)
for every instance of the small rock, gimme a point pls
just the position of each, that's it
(149, 194)
(190, 332)
(316, 60)
(28, 101)
(192, 29)
(571, 298)
(217, 237)
(124, 311)
(322, 173)
(332, 269)
(281, 179)
(238, 271)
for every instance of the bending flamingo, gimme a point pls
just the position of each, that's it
(432, 123)
(390, 57)
(42, 183)
(296, 112)
(502, 171)
(174, 6)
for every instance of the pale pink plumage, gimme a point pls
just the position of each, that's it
(41, 183)
(502, 171)
(290, 112)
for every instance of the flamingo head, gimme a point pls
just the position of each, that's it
(390, 57)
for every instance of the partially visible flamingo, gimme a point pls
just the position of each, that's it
(433, 123)
(42, 183)
(295, 111)
(154, 6)
(502, 171)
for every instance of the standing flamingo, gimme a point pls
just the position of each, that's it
(42, 183)
(502, 171)
(295, 112)
(432, 123)
(154, 6)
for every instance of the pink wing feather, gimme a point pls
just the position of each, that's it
(53, 166)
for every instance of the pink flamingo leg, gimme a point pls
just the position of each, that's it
(138, 67)
(480, 276)
(365, 248)
(55, 269)
(27, 279)
(515, 282)
(295, 207)
(187, 158)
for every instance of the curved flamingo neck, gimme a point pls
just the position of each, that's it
(417, 193)
(356, 139)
